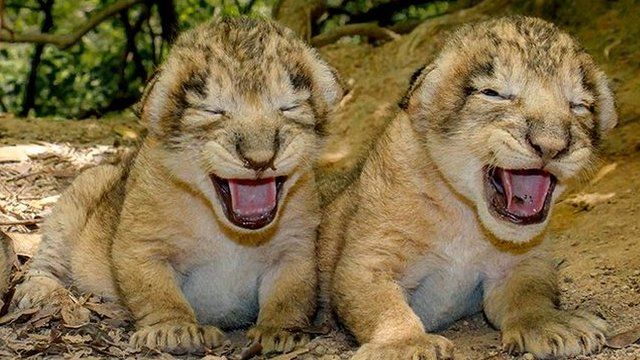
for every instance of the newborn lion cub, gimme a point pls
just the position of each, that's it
(212, 223)
(449, 212)
(6, 263)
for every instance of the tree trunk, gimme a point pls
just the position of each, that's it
(125, 97)
(299, 15)
(131, 48)
(168, 19)
(31, 90)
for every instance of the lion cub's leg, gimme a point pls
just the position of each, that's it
(375, 309)
(48, 272)
(51, 269)
(7, 257)
(524, 305)
(164, 319)
(287, 301)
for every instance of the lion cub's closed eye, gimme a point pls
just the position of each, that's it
(211, 224)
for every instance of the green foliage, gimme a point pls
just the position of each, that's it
(422, 12)
(13, 72)
(77, 81)
(98, 73)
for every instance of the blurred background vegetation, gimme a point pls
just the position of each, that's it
(85, 58)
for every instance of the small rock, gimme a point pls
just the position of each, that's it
(330, 357)
(528, 356)
(320, 350)
(332, 351)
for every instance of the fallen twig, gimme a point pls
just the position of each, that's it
(21, 222)
(370, 30)
(24, 176)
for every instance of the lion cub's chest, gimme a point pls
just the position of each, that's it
(222, 285)
(446, 283)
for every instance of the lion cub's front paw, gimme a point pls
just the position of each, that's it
(36, 290)
(554, 333)
(276, 340)
(425, 347)
(177, 337)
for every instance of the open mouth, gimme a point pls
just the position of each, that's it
(249, 203)
(519, 196)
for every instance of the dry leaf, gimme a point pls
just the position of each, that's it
(76, 339)
(292, 355)
(624, 339)
(116, 352)
(20, 153)
(604, 171)
(44, 316)
(25, 244)
(75, 316)
(43, 321)
(587, 202)
(345, 100)
(108, 310)
(42, 203)
(19, 316)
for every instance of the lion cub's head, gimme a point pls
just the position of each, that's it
(239, 107)
(510, 110)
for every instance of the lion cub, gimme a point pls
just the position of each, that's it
(449, 212)
(212, 223)
(7, 257)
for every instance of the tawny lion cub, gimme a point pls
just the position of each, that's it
(448, 214)
(211, 225)
(7, 257)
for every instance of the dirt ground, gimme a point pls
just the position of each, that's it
(595, 227)
(597, 245)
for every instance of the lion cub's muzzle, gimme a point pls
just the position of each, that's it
(249, 203)
(521, 197)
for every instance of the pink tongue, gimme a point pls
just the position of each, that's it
(525, 190)
(251, 198)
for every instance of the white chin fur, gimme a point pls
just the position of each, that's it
(510, 232)
(507, 231)
(470, 184)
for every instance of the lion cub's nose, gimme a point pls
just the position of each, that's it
(255, 156)
(259, 165)
(548, 146)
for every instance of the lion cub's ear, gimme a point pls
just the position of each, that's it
(326, 81)
(156, 100)
(417, 80)
(138, 108)
(605, 102)
(142, 108)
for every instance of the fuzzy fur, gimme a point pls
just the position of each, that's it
(411, 246)
(152, 234)
(7, 257)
